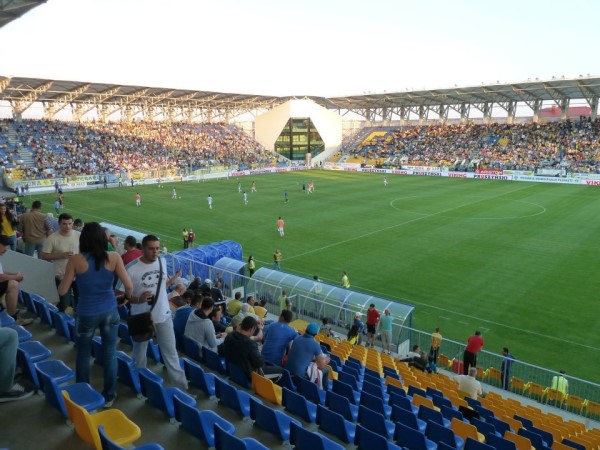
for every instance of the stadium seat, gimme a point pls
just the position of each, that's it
(271, 420)
(233, 398)
(200, 423)
(574, 404)
(536, 440)
(298, 405)
(127, 373)
(345, 390)
(518, 386)
(412, 439)
(402, 402)
(225, 440)
(449, 413)
(474, 444)
(375, 404)
(124, 335)
(53, 368)
(310, 390)
(162, 397)
(107, 444)
(427, 414)
(192, 349)
(23, 334)
(287, 381)
(117, 426)
(349, 379)
(42, 308)
(365, 439)
(237, 375)
(303, 439)
(375, 422)
(81, 393)
(333, 423)
(376, 390)
(485, 428)
(204, 381)
(465, 430)
(341, 405)
(439, 433)
(500, 443)
(266, 389)
(521, 442)
(535, 391)
(214, 361)
(408, 418)
(35, 350)
(60, 322)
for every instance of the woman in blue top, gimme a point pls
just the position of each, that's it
(95, 269)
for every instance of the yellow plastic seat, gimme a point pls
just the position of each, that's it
(260, 311)
(299, 325)
(514, 424)
(521, 442)
(266, 389)
(466, 430)
(592, 409)
(556, 445)
(535, 391)
(554, 397)
(117, 426)
(517, 385)
(419, 400)
(394, 382)
(493, 376)
(443, 361)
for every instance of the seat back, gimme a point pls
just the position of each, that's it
(200, 423)
(287, 381)
(340, 405)
(198, 377)
(227, 441)
(81, 421)
(333, 423)
(483, 427)
(400, 401)
(26, 365)
(372, 402)
(238, 376)
(366, 439)
(59, 322)
(521, 442)
(449, 412)
(439, 433)
(464, 430)
(500, 425)
(124, 334)
(535, 439)
(405, 417)
(227, 394)
(266, 389)
(500, 443)
(474, 444)
(42, 309)
(419, 400)
(297, 405)
(310, 391)
(213, 360)
(428, 414)
(271, 420)
(373, 421)
(191, 348)
(373, 389)
(260, 312)
(127, 372)
(349, 379)
(407, 437)
(303, 439)
(412, 390)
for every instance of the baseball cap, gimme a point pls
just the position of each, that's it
(208, 281)
(312, 328)
(5, 240)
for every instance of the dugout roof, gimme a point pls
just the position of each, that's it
(23, 92)
(13, 9)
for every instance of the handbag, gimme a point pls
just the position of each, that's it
(141, 326)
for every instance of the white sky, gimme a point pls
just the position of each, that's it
(326, 47)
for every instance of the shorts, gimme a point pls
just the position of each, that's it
(3, 287)
(371, 329)
(386, 337)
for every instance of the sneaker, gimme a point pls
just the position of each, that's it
(17, 392)
(24, 322)
(109, 403)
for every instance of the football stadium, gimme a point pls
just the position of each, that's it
(409, 269)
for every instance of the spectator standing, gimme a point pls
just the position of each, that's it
(277, 337)
(277, 256)
(385, 325)
(95, 269)
(7, 225)
(34, 229)
(58, 249)
(373, 317)
(284, 302)
(474, 344)
(436, 341)
(144, 273)
(131, 250)
(560, 383)
(507, 361)
(9, 285)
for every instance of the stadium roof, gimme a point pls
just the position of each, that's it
(23, 92)
(13, 9)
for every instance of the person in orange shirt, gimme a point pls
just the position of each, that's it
(280, 225)
(138, 199)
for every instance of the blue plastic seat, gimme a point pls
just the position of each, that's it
(238, 376)
(337, 360)
(23, 334)
(376, 390)
(107, 444)
(376, 404)
(412, 390)
(450, 413)
(367, 440)
(341, 405)
(575, 445)
(439, 433)
(27, 299)
(191, 348)
(345, 390)
(484, 412)
(124, 335)
(428, 414)
(153, 351)
(441, 401)
(303, 439)
(349, 369)
(35, 350)
(310, 390)
(484, 428)
(127, 373)
(214, 361)
(499, 443)
(349, 379)
(60, 322)
(287, 381)
(356, 364)
(432, 392)
(374, 379)
(227, 441)
(371, 373)
(536, 439)
(234, 398)
(408, 418)
(391, 372)
(42, 308)
(412, 439)
(402, 402)
(298, 405)
(54, 368)
(81, 393)
(5, 319)
(500, 425)
(375, 422)
(472, 444)
(393, 389)
(204, 381)
(472, 402)
(546, 435)
(271, 420)
(159, 396)
(335, 424)
(200, 423)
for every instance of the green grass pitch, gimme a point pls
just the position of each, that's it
(518, 261)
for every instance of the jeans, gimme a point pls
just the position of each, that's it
(13, 242)
(165, 338)
(31, 247)
(109, 328)
(9, 340)
(71, 298)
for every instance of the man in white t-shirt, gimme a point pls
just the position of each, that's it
(58, 248)
(469, 384)
(144, 273)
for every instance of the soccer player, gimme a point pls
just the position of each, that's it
(138, 199)
(385, 181)
(345, 281)
(174, 196)
(209, 200)
(280, 225)
(239, 186)
(285, 196)
(253, 186)
(245, 198)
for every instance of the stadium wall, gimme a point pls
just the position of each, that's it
(268, 126)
